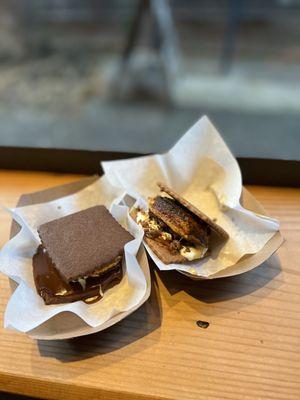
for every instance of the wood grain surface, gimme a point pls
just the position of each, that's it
(250, 350)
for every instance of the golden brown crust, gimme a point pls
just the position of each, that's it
(180, 220)
(216, 228)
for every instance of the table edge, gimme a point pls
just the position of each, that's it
(255, 171)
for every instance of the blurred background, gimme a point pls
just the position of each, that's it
(134, 75)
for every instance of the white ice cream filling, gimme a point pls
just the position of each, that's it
(96, 274)
(143, 216)
(192, 253)
(82, 282)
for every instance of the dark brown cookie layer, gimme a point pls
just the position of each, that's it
(203, 217)
(180, 220)
(83, 243)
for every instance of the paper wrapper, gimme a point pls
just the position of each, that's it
(201, 168)
(26, 311)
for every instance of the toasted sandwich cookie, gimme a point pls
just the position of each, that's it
(80, 256)
(175, 230)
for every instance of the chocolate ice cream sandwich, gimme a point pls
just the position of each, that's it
(175, 230)
(80, 256)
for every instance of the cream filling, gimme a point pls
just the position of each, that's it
(166, 236)
(193, 253)
(82, 281)
(142, 216)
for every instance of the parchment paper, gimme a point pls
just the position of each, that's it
(26, 310)
(202, 169)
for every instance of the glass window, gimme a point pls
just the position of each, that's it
(125, 75)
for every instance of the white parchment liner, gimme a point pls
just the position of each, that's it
(203, 170)
(26, 311)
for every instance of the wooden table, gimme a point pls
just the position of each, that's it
(251, 349)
